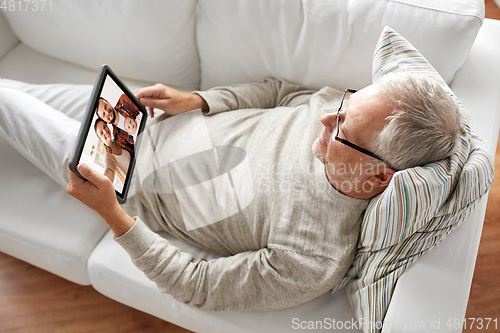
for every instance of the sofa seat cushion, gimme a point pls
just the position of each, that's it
(40, 223)
(113, 274)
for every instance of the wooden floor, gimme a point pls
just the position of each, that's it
(33, 300)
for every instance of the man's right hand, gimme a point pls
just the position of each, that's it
(170, 100)
(97, 192)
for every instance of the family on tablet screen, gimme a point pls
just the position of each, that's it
(120, 142)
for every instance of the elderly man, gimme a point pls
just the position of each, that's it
(292, 243)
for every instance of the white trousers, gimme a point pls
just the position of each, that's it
(42, 122)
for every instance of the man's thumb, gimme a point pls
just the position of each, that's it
(88, 173)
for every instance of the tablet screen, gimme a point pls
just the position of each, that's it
(110, 145)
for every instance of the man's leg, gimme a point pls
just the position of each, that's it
(44, 135)
(42, 122)
(70, 99)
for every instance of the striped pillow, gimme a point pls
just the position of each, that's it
(393, 53)
(420, 206)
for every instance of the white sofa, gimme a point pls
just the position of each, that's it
(192, 44)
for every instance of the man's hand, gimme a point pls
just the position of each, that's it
(170, 100)
(98, 193)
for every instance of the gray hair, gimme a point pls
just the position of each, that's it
(426, 124)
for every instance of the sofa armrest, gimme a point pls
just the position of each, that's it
(432, 294)
(7, 37)
(477, 83)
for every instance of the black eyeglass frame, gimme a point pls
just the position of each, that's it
(352, 145)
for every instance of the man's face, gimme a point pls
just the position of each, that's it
(105, 111)
(130, 125)
(103, 132)
(365, 115)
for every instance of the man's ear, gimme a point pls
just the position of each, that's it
(382, 179)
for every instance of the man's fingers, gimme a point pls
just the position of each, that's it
(91, 175)
(73, 179)
(74, 182)
(156, 91)
(154, 102)
(146, 92)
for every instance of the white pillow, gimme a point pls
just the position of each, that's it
(151, 41)
(321, 42)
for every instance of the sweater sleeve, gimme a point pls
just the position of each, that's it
(267, 279)
(267, 94)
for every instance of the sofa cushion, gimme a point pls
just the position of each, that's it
(318, 43)
(153, 42)
(40, 223)
(7, 36)
(113, 274)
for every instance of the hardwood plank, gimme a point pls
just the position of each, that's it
(492, 10)
(33, 300)
(484, 298)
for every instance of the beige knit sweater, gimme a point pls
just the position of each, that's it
(292, 243)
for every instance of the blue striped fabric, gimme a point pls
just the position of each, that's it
(421, 205)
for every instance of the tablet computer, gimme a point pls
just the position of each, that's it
(109, 136)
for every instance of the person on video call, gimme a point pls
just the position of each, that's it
(117, 115)
(287, 246)
(117, 141)
(118, 152)
(130, 126)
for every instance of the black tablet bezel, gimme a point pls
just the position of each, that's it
(104, 72)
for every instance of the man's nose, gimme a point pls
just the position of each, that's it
(329, 120)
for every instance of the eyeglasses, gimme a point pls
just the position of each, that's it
(347, 93)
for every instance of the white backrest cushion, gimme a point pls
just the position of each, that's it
(7, 38)
(151, 41)
(321, 42)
